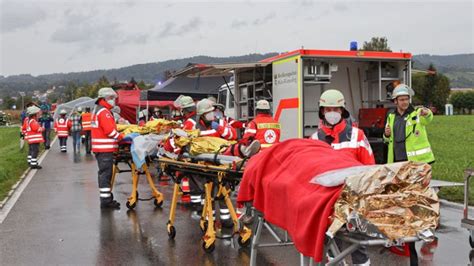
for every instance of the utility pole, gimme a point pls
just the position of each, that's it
(22, 94)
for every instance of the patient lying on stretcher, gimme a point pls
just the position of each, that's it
(180, 141)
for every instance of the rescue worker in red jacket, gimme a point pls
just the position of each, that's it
(86, 127)
(105, 139)
(33, 135)
(61, 127)
(188, 108)
(263, 127)
(220, 114)
(336, 130)
(210, 125)
(157, 114)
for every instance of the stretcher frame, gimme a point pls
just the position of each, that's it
(355, 239)
(224, 179)
(124, 156)
(466, 221)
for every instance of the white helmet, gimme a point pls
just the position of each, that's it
(204, 106)
(263, 105)
(63, 112)
(184, 102)
(332, 98)
(402, 90)
(212, 99)
(106, 92)
(32, 110)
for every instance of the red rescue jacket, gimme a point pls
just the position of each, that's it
(265, 129)
(105, 136)
(86, 121)
(223, 131)
(32, 131)
(62, 126)
(189, 121)
(346, 138)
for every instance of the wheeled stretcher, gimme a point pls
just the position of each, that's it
(352, 239)
(220, 181)
(124, 156)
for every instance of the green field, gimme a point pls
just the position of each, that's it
(12, 159)
(452, 140)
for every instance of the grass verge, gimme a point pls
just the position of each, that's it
(452, 141)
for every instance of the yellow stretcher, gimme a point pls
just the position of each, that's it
(220, 181)
(124, 156)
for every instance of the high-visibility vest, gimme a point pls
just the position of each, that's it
(32, 131)
(416, 139)
(104, 131)
(265, 129)
(62, 125)
(86, 121)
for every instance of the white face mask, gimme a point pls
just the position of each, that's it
(209, 116)
(111, 102)
(332, 117)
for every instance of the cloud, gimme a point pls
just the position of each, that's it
(171, 29)
(89, 31)
(264, 20)
(340, 7)
(16, 16)
(236, 24)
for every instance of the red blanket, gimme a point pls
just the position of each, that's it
(277, 180)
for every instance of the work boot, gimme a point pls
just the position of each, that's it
(250, 149)
(36, 167)
(110, 205)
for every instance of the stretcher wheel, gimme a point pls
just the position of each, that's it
(158, 204)
(243, 244)
(471, 242)
(131, 206)
(210, 249)
(171, 232)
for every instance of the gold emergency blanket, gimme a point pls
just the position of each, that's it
(199, 145)
(158, 126)
(395, 198)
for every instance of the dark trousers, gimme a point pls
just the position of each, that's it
(63, 144)
(47, 138)
(105, 162)
(87, 141)
(33, 150)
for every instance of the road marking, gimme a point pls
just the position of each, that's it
(16, 195)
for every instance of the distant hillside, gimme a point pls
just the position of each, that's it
(150, 73)
(459, 68)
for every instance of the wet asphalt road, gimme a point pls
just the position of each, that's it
(57, 220)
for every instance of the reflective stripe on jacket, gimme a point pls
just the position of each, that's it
(265, 129)
(104, 131)
(86, 121)
(416, 139)
(32, 131)
(347, 138)
(62, 126)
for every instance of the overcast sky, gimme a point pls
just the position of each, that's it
(41, 37)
